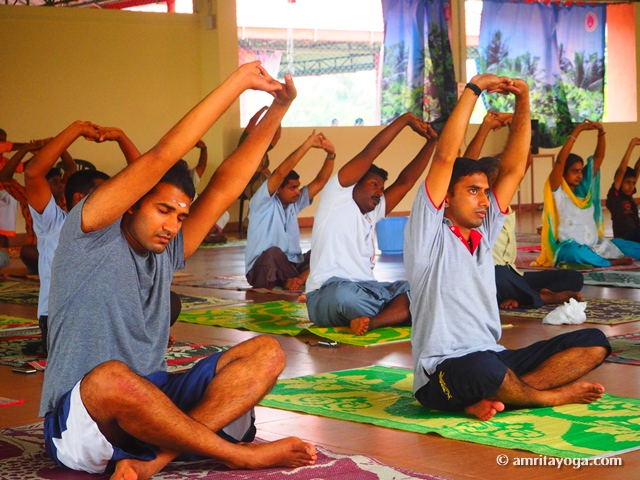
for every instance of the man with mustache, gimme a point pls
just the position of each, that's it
(341, 288)
(273, 256)
(454, 222)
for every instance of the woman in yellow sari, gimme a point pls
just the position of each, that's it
(573, 227)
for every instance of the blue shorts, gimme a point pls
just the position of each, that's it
(72, 438)
(339, 301)
(463, 381)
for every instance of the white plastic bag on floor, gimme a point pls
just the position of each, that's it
(571, 312)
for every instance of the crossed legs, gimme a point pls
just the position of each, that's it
(125, 405)
(555, 382)
(546, 373)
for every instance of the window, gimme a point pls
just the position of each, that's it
(331, 47)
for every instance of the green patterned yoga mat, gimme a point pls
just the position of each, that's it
(289, 318)
(599, 310)
(194, 302)
(625, 349)
(383, 396)
(618, 278)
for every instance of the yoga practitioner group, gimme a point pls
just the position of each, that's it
(119, 411)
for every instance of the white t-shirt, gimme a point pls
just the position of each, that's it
(343, 238)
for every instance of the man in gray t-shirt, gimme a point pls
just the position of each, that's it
(455, 219)
(108, 402)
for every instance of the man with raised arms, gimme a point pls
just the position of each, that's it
(341, 288)
(454, 222)
(274, 256)
(109, 404)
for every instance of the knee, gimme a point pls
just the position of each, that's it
(271, 354)
(112, 379)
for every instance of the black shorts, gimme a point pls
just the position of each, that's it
(463, 381)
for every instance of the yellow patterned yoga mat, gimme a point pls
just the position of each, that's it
(383, 396)
(289, 318)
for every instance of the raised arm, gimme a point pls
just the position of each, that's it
(254, 120)
(279, 174)
(492, 121)
(203, 158)
(232, 176)
(69, 166)
(598, 154)
(35, 181)
(555, 177)
(624, 163)
(326, 170)
(115, 134)
(513, 163)
(112, 199)
(410, 174)
(439, 175)
(355, 169)
(6, 174)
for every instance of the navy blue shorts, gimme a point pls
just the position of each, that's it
(72, 439)
(463, 381)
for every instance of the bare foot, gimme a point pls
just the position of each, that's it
(621, 261)
(549, 297)
(302, 298)
(485, 409)
(578, 392)
(292, 284)
(130, 469)
(509, 304)
(171, 341)
(288, 452)
(360, 325)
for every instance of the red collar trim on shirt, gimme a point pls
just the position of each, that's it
(474, 238)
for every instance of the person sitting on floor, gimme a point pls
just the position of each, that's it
(48, 216)
(341, 288)
(573, 225)
(107, 399)
(28, 251)
(456, 217)
(273, 256)
(9, 204)
(514, 288)
(620, 201)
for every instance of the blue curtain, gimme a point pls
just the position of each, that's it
(558, 49)
(418, 73)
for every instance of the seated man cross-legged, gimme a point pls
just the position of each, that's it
(341, 289)
(273, 256)
(454, 222)
(108, 402)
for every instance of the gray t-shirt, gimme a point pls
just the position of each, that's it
(107, 302)
(453, 292)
